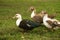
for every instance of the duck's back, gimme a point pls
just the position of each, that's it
(28, 24)
(38, 19)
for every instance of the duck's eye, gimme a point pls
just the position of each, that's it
(45, 13)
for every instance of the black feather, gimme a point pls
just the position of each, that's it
(28, 24)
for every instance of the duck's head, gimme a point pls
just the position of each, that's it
(32, 8)
(17, 16)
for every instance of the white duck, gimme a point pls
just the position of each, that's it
(50, 23)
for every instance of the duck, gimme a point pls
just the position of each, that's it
(25, 24)
(38, 17)
(52, 24)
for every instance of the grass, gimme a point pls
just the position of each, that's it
(8, 29)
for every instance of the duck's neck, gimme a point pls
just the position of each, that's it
(45, 17)
(18, 21)
(33, 14)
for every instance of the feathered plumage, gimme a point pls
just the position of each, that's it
(38, 17)
(25, 24)
(28, 24)
(50, 23)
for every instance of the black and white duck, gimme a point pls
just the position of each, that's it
(25, 23)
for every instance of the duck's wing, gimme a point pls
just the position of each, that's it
(52, 23)
(37, 19)
(32, 23)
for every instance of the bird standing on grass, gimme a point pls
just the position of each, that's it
(25, 24)
(52, 24)
(38, 17)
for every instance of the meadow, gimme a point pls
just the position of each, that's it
(8, 28)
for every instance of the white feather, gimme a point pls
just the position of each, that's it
(33, 14)
(45, 18)
(19, 19)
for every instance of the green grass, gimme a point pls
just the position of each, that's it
(8, 29)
